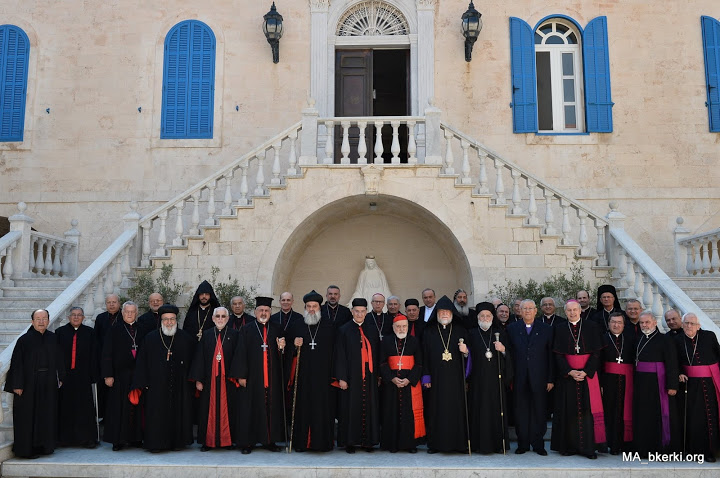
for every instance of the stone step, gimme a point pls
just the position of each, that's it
(40, 291)
(11, 325)
(103, 462)
(43, 282)
(27, 302)
(16, 313)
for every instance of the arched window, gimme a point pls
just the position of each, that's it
(188, 82)
(372, 18)
(14, 56)
(560, 77)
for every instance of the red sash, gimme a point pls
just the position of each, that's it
(577, 362)
(408, 362)
(366, 352)
(705, 371)
(627, 370)
(218, 370)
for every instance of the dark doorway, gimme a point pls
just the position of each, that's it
(372, 83)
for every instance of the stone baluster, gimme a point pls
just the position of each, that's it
(657, 307)
(715, 263)
(48, 257)
(329, 125)
(210, 221)
(145, 260)
(276, 181)
(584, 251)
(516, 199)
(412, 145)
(362, 145)
(499, 186)
(179, 226)
(292, 156)
(621, 268)
(243, 201)
(395, 145)
(698, 258)
(260, 177)
(33, 263)
(706, 258)
(345, 145)
(195, 218)
(125, 268)
(690, 264)
(162, 236)
(117, 274)
(647, 297)
(566, 230)
(549, 229)
(8, 269)
(66, 254)
(40, 258)
(601, 249)
(56, 263)
(109, 286)
(639, 284)
(89, 305)
(465, 170)
(630, 275)
(532, 219)
(99, 298)
(227, 200)
(378, 142)
(449, 157)
(482, 187)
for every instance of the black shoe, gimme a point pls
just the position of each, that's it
(153, 450)
(246, 451)
(710, 458)
(350, 449)
(567, 453)
(299, 450)
(520, 451)
(393, 451)
(602, 449)
(432, 451)
(541, 452)
(204, 448)
(91, 445)
(412, 450)
(592, 456)
(272, 447)
(117, 447)
(614, 452)
(369, 449)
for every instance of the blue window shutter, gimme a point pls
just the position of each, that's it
(188, 81)
(524, 89)
(711, 52)
(14, 57)
(596, 68)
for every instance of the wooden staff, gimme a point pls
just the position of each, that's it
(500, 382)
(292, 417)
(467, 419)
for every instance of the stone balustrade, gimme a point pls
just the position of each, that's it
(701, 253)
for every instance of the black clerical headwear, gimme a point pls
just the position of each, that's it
(312, 296)
(266, 301)
(412, 302)
(607, 288)
(359, 302)
(168, 309)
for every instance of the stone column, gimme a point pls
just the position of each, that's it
(132, 223)
(21, 254)
(73, 235)
(679, 233)
(309, 135)
(616, 220)
(318, 53)
(426, 53)
(434, 138)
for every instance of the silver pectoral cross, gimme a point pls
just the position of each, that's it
(312, 345)
(577, 348)
(619, 359)
(264, 347)
(134, 346)
(218, 357)
(400, 365)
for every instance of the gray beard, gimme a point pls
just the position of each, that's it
(463, 310)
(312, 318)
(484, 325)
(401, 336)
(169, 331)
(444, 321)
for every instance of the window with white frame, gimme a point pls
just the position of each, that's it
(559, 78)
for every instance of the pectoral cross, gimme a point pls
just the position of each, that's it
(168, 356)
(264, 347)
(577, 348)
(134, 347)
(619, 359)
(400, 364)
(218, 357)
(312, 345)
(199, 335)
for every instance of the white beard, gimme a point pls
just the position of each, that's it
(444, 322)
(463, 310)
(402, 336)
(312, 318)
(169, 331)
(647, 331)
(484, 325)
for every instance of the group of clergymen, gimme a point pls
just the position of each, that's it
(443, 374)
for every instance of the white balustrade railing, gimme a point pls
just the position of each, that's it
(51, 256)
(488, 173)
(8, 243)
(701, 251)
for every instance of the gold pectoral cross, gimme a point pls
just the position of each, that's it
(447, 356)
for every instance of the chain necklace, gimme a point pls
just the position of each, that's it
(488, 353)
(400, 352)
(169, 352)
(332, 316)
(639, 349)
(619, 358)
(697, 339)
(132, 336)
(201, 326)
(289, 315)
(312, 337)
(446, 355)
(576, 340)
(264, 345)
(382, 324)
(218, 332)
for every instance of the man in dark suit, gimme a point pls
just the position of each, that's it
(531, 348)
(428, 298)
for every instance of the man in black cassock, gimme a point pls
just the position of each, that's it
(673, 321)
(286, 316)
(314, 338)
(77, 423)
(123, 419)
(258, 367)
(103, 322)
(199, 314)
(699, 354)
(151, 319)
(337, 313)
(616, 380)
(357, 362)
(238, 316)
(211, 373)
(161, 376)
(607, 303)
(633, 307)
(403, 423)
(444, 345)
(36, 371)
(379, 319)
(578, 422)
(487, 397)
(415, 325)
(583, 298)
(655, 385)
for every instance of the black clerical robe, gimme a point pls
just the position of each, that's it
(260, 403)
(123, 420)
(602, 317)
(357, 362)
(654, 411)
(315, 401)
(445, 411)
(238, 322)
(161, 374)
(77, 421)
(552, 320)
(36, 368)
(403, 422)
(616, 379)
(198, 319)
(103, 322)
(587, 313)
(578, 422)
(382, 323)
(338, 315)
(488, 414)
(150, 320)
(286, 320)
(699, 358)
(416, 329)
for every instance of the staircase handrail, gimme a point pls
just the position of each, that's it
(200, 185)
(9, 239)
(710, 235)
(525, 173)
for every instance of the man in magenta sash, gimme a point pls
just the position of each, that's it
(578, 421)
(655, 385)
(616, 380)
(699, 354)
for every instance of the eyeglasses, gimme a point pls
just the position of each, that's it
(694, 324)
